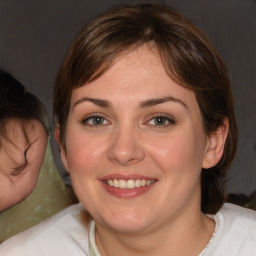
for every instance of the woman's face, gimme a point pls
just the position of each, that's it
(21, 158)
(135, 145)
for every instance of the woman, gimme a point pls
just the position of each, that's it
(146, 129)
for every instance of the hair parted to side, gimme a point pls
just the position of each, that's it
(188, 57)
(16, 102)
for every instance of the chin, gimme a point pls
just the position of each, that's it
(127, 222)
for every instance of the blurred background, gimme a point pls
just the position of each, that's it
(35, 35)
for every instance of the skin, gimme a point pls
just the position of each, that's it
(128, 133)
(21, 158)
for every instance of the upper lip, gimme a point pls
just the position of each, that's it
(126, 177)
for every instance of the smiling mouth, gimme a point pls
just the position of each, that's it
(128, 184)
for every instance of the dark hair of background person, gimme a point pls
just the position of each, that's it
(188, 57)
(16, 102)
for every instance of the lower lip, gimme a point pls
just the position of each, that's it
(127, 192)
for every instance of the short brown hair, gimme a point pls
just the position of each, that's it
(188, 57)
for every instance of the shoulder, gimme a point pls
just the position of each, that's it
(235, 232)
(237, 215)
(61, 234)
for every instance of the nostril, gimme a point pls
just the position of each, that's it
(125, 148)
(133, 160)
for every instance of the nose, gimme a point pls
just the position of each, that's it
(126, 147)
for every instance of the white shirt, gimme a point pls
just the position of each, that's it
(235, 233)
(64, 234)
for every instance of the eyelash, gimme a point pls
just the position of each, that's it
(165, 118)
(92, 117)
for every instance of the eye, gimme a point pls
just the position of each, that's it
(161, 120)
(95, 120)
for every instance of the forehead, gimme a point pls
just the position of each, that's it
(135, 73)
(13, 128)
(17, 129)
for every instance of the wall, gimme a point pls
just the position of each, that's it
(34, 36)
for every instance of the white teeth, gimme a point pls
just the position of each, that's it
(129, 183)
(115, 183)
(110, 183)
(137, 183)
(122, 184)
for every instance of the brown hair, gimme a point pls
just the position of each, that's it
(16, 102)
(188, 57)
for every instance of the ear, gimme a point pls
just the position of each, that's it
(215, 145)
(61, 147)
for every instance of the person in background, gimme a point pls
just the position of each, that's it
(146, 127)
(24, 133)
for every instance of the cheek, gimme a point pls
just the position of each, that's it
(84, 154)
(177, 153)
(14, 190)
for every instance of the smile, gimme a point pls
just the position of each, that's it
(126, 184)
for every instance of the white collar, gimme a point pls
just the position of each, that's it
(92, 244)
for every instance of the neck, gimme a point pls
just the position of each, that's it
(182, 238)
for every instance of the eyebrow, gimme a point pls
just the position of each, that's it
(143, 104)
(98, 102)
(153, 102)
